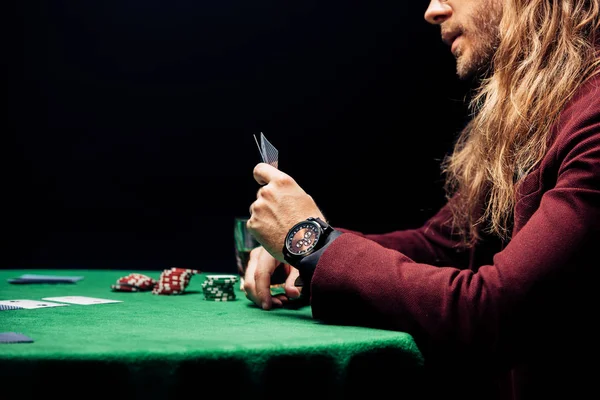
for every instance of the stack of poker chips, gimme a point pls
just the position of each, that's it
(174, 281)
(171, 281)
(219, 287)
(134, 283)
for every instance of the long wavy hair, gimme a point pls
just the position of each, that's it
(547, 49)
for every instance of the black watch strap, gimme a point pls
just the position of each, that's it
(308, 264)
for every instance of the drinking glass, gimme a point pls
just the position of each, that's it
(244, 243)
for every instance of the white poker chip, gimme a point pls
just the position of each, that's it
(235, 278)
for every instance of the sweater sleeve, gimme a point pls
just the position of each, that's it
(433, 243)
(390, 281)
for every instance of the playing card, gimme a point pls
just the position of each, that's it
(30, 304)
(268, 152)
(35, 278)
(4, 307)
(14, 337)
(82, 300)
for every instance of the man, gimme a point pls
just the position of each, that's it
(499, 287)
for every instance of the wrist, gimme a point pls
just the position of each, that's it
(307, 266)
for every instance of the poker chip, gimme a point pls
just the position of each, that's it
(219, 287)
(278, 288)
(124, 288)
(134, 283)
(172, 281)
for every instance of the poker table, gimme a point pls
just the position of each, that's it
(163, 346)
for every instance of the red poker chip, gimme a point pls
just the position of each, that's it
(175, 275)
(175, 278)
(124, 288)
(182, 281)
(142, 286)
(138, 277)
(174, 282)
(171, 282)
(190, 271)
(167, 292)
(134, 281)
(169, 288)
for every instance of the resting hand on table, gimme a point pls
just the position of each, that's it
(257, 280)
(280, 203)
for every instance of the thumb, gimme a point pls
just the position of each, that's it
(265, 173)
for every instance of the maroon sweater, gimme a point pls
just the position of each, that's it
(496, 321)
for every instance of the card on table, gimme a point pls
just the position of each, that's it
(14, 337)
(28, 304)
(4, 307)
(35, 278)
(81, 300)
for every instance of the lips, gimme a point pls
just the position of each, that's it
(454, 46)
(449, 37)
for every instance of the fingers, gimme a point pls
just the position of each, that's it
(257, 280)
(292, 291)
(263, 290)
(250, 287)
(249, 274)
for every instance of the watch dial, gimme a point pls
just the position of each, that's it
(303, 238)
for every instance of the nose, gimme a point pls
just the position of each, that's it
(438, 12)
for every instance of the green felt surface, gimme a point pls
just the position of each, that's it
(162, 333)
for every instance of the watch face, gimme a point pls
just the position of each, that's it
(303, 238)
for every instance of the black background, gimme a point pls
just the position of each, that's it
(131, 123)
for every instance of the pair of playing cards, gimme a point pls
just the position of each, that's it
(268, 153)
(48, 302)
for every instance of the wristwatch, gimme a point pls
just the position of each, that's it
(305, 238)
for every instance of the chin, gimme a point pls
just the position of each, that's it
(464, 74)
(462, 69)
(466, 67)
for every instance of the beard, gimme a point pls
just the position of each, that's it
(474, 56)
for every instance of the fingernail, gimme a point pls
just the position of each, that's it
(265, 305)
